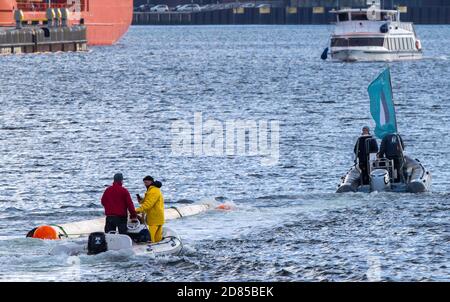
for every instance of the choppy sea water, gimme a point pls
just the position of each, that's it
(69, 121)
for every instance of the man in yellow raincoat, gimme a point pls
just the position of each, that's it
(152, 205)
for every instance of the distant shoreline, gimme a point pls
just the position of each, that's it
(277, 16)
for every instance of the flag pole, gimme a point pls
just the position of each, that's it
(392, 95)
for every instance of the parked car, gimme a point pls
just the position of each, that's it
(236, 4)
(190, 8)
(206, 7)
(160, 8)
(176, 7)
(248, 5)
(216, 6)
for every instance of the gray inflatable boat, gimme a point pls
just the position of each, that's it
(414, 178)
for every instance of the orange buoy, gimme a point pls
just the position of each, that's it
(418, 45)
(46, 232)
(223, 207)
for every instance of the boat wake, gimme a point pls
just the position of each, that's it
(437, 58)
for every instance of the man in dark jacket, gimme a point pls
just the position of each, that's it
(117, 202)
(362, 155)
(392, 147)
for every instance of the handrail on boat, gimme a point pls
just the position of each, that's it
(43, 6)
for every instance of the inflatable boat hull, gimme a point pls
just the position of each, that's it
(418, 180)
(350, 182)
(85, 227)
(171, 244)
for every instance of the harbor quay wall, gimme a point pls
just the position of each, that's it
(278, 15)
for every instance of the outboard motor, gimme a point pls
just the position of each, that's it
(380, 180)
(97, 243)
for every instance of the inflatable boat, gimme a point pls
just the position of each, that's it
(99, 242)
(87, 236)
(383, 177)
(387, 168)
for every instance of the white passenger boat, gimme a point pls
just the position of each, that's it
(372, 34)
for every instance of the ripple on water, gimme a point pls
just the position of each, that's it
(64, 132)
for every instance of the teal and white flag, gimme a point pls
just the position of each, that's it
(382, 105)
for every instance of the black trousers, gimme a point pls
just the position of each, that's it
(116, 222)
(364, 173)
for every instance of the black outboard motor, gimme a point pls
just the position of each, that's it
(97, 243)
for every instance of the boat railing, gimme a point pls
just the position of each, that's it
(406, 26)
(42, 6)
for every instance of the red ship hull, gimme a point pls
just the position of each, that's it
(106, 20)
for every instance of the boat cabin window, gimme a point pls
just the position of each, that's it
(342, 42)
(385, 16)
(343, 17)
(359, 17)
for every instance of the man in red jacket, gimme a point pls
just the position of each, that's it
(117, 200)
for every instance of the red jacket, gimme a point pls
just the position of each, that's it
(117, 200)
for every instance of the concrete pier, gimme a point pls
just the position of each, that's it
(31, 39)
